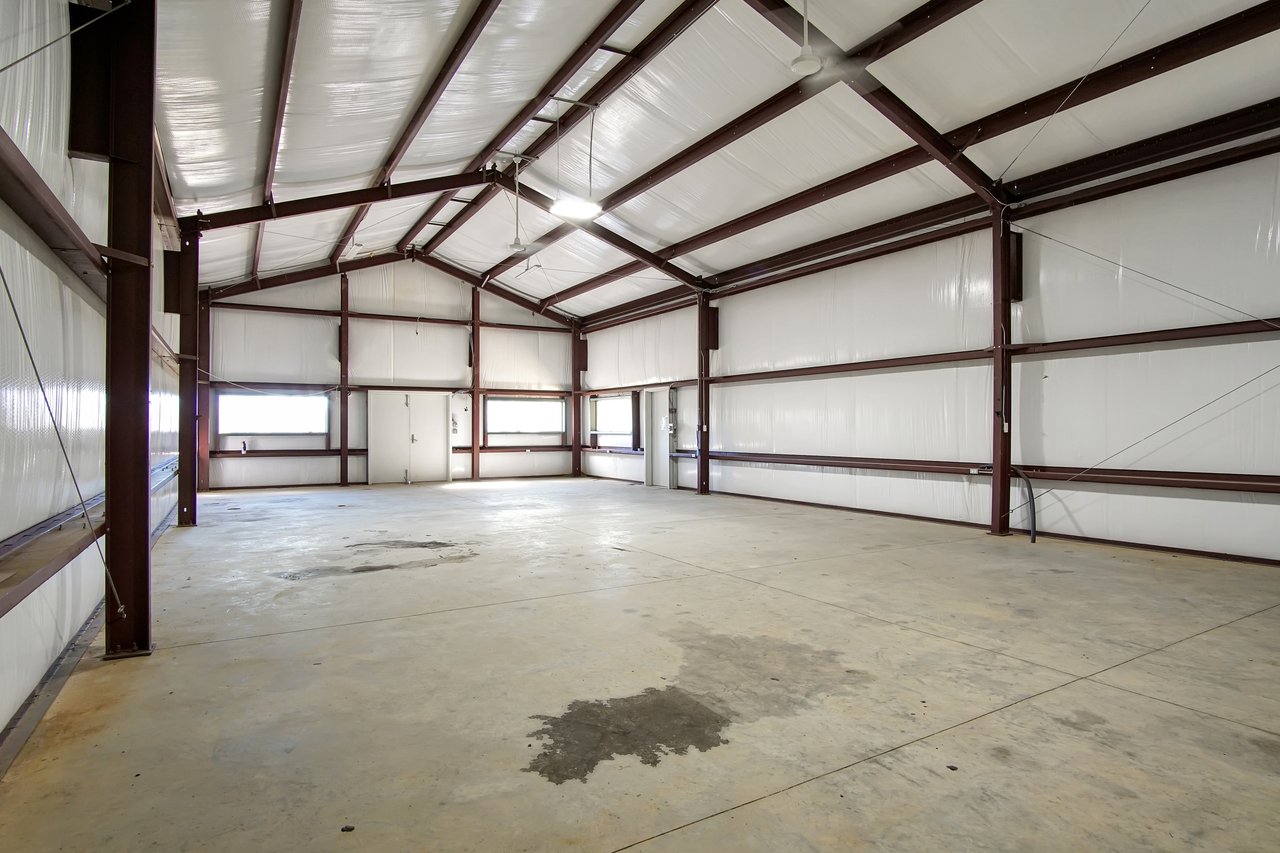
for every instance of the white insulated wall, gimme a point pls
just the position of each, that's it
(1201, 250)
(251, 346)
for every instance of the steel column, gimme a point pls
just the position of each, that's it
(1003, 285)
(344, 381)
(578, 359)
(476, 423)
(132, 31)
(708, 339)
(204, 402)
(188, 377)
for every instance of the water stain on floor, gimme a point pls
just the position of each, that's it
(723, 679)
(649, 725)
(433, 544)
(366, 568)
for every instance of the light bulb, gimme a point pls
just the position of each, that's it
(575, 208)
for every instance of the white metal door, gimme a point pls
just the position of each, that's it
(388, 437)
(657, 446)
(428, 437)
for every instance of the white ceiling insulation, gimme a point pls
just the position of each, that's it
(361, 68)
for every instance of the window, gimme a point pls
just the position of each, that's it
(273, 414)
(524, 415)
(613, 421)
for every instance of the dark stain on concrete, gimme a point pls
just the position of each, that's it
(366, 568)
(1081, 721)
(405, 543)
(647, 725)
(723, 679)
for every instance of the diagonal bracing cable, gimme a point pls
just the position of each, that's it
(84, 509)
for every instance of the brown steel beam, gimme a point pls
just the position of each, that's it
(23, 190)
(1230, 127)
(844, 68)
(132, 31)
(203, 398)
(1003, 277)
(578, 364)
(496, 289)
(790, 23)
(333, 201)
(162, 201)
(277, 124)
(477, 438)
(856, 462)
(1206, 41)
(859, 237)
(838, 186)
(391, 318)
(188, 378)
(453, 61)
(1157, 336)
(606, 236)
(1142, 180)
(1168, 479)
(617, 16)
(894, 363)
(683, 17)
(708, 339)
(1235, 30)
(344, 380)
(309, 274)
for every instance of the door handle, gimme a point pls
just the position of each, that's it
(413, 439)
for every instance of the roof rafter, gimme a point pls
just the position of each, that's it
(867, 242)
(685, 15)
(453, 61)
(277, 123)
(604, 235)
(1198, 44)
(617, 16)
(889, 105)
(842, 70)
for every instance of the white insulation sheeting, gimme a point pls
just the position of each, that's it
(516, 359)
(1204, 249)
(646, 352)
(939, 413)
(384, 352)
(250, 346)
(35, 632)
(522, 464)
(614, 466)
(68, 338)
(935, 298)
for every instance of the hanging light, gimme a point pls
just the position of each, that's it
(568, 207)
(808, 62)
(516, 246)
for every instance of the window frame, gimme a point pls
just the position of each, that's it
(220, 393)
(563, 432)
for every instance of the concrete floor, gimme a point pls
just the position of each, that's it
(545, 664)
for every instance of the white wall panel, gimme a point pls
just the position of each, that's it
(938, 413)
(657, 349)
(235, 473)
(614, 467)
(259, 347)
(536, 464)
(495, 309)
(68, 339)
(409, 290)
(323, 293)
(35, 632)
(510, 358)
(956, 498)
(1198, 520)
(936, 298)
(1216, 234)
(384, 352)
(1083, 408)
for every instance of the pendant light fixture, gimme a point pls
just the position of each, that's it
(808, 62)
(576, 208)
(516, 246)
